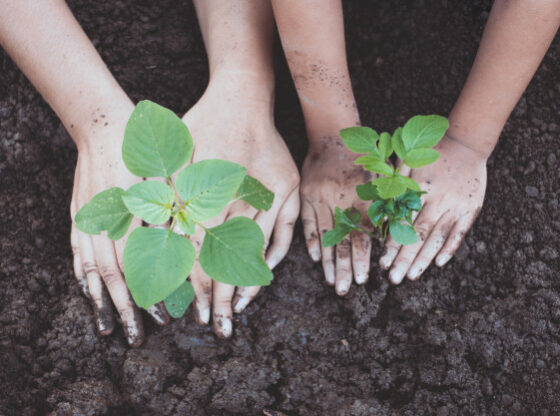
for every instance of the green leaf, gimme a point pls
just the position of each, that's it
(411, 199)
(206, 187)
(376, 213)
(389, 187)
(185, 224)
(360, 139)
(106, 211)
(408, 182)
(156, 262)
(374, 164)
(178, 301)
(232, 253)
(397, 143)
(385, 147)
(335, 236)
(420, 157)
(255, 193)
(350, 217)
(150, 200)
(402, 233)
(424, 131)
(156, 141)
(367, 191)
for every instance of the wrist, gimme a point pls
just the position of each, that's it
(452, 145)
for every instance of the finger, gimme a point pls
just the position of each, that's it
(110, 272)
(310, 230)
(432, 246)
(284, 222)
(423, 225)
(244, 296)
(455, 238)
(78, 269)
(361, 251)
(325, 223)
(221, 309)
(99, 296)
(201, 282)
(343, 266)
(159, 314)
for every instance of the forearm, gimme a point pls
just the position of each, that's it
(238, 39)
(50, 47)
(516, 38)
(312, 34)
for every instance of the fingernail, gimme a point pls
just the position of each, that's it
(384, 263)
(442, 260)
(329, 274)
(104, 317)
(342, 288)
(204, 315)
(159, 315)
(315, 255)
(134, 335)
(396, 276)
(413, 275)
(361, 278)
(241, 305)
(223, 326)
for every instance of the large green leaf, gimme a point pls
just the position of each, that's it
(206, 187)
(232, 253)
(408, 182)
(156, 262)
(397, 143)
(150, 200)
(402, 233)
(335, 236)
(178, 301)
(156, 141)
(374, 164)
(417, 158)
(255, 193)
(389, 187)
(105, 212)
(424, 131)
(360, 139)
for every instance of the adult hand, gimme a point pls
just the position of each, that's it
(455, 186)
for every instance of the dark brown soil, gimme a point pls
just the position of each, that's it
(480, 337)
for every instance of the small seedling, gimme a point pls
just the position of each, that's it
(394, 196)
(157, 261)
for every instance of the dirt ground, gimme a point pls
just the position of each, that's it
(478, 337)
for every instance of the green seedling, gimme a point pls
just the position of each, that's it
(394, 196)
(157, 261)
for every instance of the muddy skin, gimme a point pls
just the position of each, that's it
(478, 337)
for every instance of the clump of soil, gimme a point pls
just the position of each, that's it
(479, 337)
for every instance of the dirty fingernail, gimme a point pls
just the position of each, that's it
(361, 278)
(329, 274)
(315, 255)
(134, 335)
(396, 276)
(443, 259)
(241, 305)
(105, 322)
(203, 315)
(223, 326)
(385, 262)
(159, 315)
(342, 288)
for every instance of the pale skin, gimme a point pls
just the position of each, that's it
(515, 40)
(312, 35)
(50, 47)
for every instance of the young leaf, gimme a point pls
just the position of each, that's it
(417, 158)
(255, 193)
(367, 191)
(232, 253)
(408, 182)
(376, 213)
(156, 262)
(373, 164)
(335, 236)
(156, 141)
(424, 131)
(402, 233)
(178, 301)
(150, 200)
(350, 217)
(360, 139)
(411, 199)
(397, 143)
(105, 212)
(185, 224)
(385, 147)
(389, 187)
(206, 187)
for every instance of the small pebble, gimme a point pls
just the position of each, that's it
(480, 247)
(531, 191)
(551, 160)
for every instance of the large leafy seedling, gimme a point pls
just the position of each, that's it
(157, 261)
(394, 197)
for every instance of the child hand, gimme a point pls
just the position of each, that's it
(329, 179)
(455, 186)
